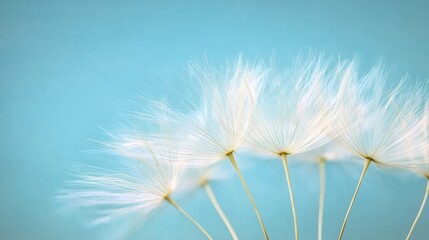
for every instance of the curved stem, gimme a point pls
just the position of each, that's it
(234, 163)
(219, 210)
(292, 202)
(420, 211)
(172, 202)
(365, 167)
(321, 197)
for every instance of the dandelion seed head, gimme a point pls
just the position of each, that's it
(292, 113)
(374, 121)
(217, 122)
(421, 167)
(144, 177)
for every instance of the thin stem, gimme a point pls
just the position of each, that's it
(321, 197)
(219, 210)
(234, 163)
(365, 167)
(292, 202)
(420, 211)
(172, 202)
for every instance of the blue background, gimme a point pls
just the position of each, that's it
(68, 67)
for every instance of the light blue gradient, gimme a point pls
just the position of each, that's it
(68, 67)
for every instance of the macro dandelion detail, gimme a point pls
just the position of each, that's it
(292, 116)
(144, 182)
(220, 122)
(377, 124)
(218, 127)
(422, 168)
(316, 109)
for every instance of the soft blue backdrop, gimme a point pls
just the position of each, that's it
(68, 67)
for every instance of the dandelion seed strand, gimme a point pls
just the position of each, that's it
(365, 167)
(219, 210)
(172, 202)
(292, 202)
(234, 163)
(321, 196)
(420, 211)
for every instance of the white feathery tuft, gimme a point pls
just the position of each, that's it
(220, 118)
(421, 167)
(293, 112)
(376, 123)
(139, 186)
